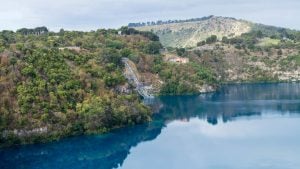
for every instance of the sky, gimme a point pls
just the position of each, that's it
(94, 14)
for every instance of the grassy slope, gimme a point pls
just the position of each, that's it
(187, 34)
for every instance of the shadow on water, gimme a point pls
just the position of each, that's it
(110, 150)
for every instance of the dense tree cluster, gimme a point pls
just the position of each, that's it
(68, 82)
(180, 51)
(185, 78)
(251, 39)
(211, 39)
(35, 31)
(130, 31)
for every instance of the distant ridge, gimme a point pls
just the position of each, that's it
(160, 22)
(187, 33)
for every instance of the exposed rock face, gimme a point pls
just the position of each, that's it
(188, 34)
(207, 88)
(4, 57)
(124, 89)
(24, 132)
(74, 48)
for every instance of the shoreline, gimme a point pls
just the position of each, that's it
(44, 137)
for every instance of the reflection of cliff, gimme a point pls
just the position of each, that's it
(233, 101)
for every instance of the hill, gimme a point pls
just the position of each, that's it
(54, 85)
(187, 33)
(232, 50)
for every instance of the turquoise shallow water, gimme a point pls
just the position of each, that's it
(239, 127)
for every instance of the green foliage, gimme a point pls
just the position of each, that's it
(201, 43)
(290, 61)
(185, 79)
(204, 73)
(104, 113)
(128, 31)
(158, 64)
(246, 40)
(6, 38)
(112, 80)
(47, 65)
(153, 48)
(273, 32)
(265, 36)
(175, 87)
(225, 39)
(180, 51)
(112, 56)
(126, 52)
(37, 31)
(13, 61)
(67, 82)
(211, 39)
(114, 44)
(131, 31)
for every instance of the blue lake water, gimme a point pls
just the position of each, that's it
(252, 126)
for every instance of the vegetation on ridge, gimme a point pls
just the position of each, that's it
(66, 83)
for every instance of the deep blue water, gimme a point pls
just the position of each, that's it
(253, 126)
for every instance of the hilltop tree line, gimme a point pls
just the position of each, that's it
(130, 31)
(160, 22)
(35, 31)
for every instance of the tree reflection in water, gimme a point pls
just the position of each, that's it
(110, 150)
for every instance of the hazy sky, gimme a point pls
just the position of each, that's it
(94, 14)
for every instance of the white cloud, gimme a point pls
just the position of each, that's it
(93, 14)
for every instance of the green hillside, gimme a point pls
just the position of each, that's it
(187, 33)
(67, 83)
(54, 85)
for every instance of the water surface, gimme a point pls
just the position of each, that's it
(238, 127)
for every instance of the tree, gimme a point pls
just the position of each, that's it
(128, 31)
(150, 35)
(13, 61)
(114, 44)
(61, 32)
(153, 47)
(211, 39)
(111, 56)
(36, 31)
(259, 34)
(180, 51)
(225, 39)
(201, 43)
(126, 52)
